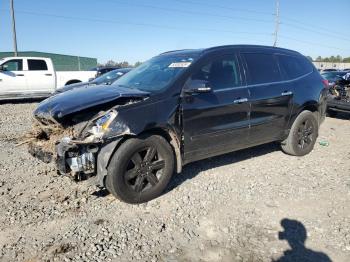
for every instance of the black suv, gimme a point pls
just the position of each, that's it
(179, 107)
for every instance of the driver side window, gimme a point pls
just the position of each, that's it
(221, 73)
(13, 65)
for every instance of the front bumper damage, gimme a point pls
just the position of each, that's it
(84, 160)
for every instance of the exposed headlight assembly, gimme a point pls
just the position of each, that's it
(102, 125)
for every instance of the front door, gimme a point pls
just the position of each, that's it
(217, 121)
(12, 78)
(270, 98)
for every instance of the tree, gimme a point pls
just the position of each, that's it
(309, 57)
(319, 59)
(346, 59)
(110, 63)
(137, 64)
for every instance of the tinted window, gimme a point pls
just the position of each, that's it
(221, 73)
(13, 65)
(294, 67)
(34, 64)
(262, 68)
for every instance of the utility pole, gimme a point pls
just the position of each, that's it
(13, 28)
(277, 22)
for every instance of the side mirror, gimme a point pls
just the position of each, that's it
(198, 86)
(2, 68)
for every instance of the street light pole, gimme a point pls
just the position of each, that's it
(14, 28)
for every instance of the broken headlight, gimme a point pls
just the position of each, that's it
(102, 124)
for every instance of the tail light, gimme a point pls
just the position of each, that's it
(325, 83)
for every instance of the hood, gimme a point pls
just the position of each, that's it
(81, 98)
(72, 86)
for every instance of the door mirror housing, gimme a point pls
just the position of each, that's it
(198, 86)
(2, 68)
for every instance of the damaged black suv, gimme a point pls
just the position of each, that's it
(179, 107)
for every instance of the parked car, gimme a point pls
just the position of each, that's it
(34, 77)
(180, 107)
(101, 70)
(106, 79)
(339, 94)
(333, 76)
(329, 70)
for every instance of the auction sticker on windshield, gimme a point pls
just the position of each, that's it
(180, 64)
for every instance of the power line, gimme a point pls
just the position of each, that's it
(312, 25)
(100, 20)
(315, 31)
(313, 43)
(190, 12)
(222, 7)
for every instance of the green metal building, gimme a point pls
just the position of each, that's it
(61, 62)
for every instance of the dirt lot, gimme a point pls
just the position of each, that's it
(228, 208)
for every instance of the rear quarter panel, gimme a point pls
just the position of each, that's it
(309, 93)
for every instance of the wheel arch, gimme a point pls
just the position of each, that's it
(312, 106)
(172, 138)
(73, 81)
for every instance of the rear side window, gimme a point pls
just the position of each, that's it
(263, 68)
(36, 64)
(221, 73)
(294, 67)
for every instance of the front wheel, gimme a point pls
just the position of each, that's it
(302, 136)
(140, 169)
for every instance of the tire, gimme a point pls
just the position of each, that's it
(332, 113)
(140, 169)
(302, 136)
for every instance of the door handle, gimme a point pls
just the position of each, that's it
(287, 93)
(48, 74)
(19, 75)
(240, 100)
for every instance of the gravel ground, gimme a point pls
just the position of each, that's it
(227, 208)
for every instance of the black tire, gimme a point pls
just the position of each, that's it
(140, 169)
(332, 113)
(302, 136)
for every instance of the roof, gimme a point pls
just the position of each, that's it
(218, 48)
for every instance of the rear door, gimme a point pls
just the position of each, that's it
(40, 77)
(12, 78)
(270, 97)
(217, 121)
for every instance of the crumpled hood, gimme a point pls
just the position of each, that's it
(72, 86)
(81, 98)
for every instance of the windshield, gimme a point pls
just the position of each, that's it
(109, 77)
(157, 73)
(333, 76)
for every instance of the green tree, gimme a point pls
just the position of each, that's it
(346, 59)
(110, 63)
(310, 58)
(338, 58)
(137, 64)
(319, 59)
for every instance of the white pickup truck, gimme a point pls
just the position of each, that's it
(35, 77)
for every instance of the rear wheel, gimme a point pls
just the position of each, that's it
(140, 169)
(302, 136)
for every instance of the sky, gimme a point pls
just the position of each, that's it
(136, 30)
